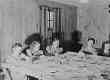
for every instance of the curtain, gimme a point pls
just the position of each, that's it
(43, 23)
(44, 11)
(65, 23)
(58, 20)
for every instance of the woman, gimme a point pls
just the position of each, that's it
(34, 50)
(90, 49)
(13, 61)
(105, 51)
(16, 49)
(16, 52)
(54, 48)
(33, 43)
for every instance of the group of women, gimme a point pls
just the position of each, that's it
(33, 50)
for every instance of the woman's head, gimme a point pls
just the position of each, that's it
(91, 42)
(17, 48)
(35, 46)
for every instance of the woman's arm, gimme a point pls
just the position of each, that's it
(28, 53)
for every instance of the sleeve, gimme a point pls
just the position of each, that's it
(28, 52)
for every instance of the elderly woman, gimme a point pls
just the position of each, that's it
(105, 51)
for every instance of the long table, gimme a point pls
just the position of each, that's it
(68, 66)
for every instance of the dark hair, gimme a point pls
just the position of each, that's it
(105, 42)
(17, 44)
(55, 36)
(92, 40)
(33, 37)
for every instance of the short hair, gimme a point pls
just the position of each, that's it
(33, 37)
(34, 42)
(105, 42)
(17, 44)
(92, 40)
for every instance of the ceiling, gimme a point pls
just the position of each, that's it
(72, 1)
(81, 2)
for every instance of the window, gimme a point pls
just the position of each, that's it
(49, 19)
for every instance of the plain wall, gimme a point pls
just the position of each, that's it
(94, 21)
(20, 18)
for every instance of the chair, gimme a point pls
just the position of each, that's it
(5, 74)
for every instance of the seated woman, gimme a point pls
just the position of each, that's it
(33, 52)
(17, 55)
(34, 49)
(33, 43)
(105, 51)
(16, 52)
(13, 60)
(54, 48)
(89, 50)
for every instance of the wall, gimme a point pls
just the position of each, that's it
(18, 19)
(94, 21)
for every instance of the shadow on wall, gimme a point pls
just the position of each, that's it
(109, 36)
(76, 36)
(73, 44)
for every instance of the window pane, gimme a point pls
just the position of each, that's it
(51, 24)
(48, 15)
(51, 15)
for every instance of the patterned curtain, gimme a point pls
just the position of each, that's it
(43, 23)
(58, 20)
